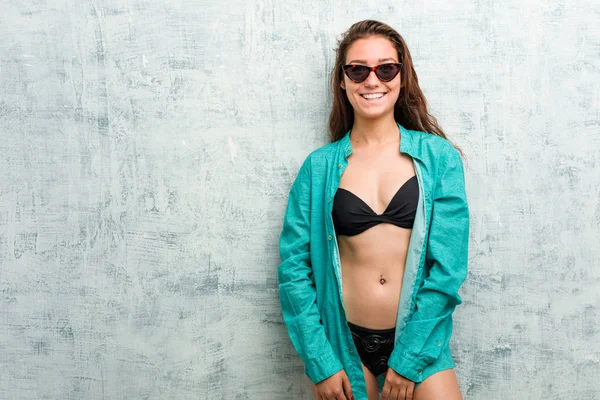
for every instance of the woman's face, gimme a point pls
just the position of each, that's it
(372, 51)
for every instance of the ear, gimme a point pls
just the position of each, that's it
(343, 85)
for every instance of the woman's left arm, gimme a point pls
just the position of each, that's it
(430, 326)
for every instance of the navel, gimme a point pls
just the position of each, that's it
(382, 280)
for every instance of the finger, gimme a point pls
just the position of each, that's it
(402, 393)
(347, 388)
(409, 391)
(385, 392)
(341, 396)
(394, 394)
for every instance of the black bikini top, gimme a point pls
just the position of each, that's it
(351, 215)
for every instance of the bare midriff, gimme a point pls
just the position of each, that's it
(372, 272)
(373, 261)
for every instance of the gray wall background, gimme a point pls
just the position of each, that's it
(146, 153)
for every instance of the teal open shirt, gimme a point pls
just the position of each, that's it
(310, 285)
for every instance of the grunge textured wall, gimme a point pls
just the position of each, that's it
(146, 153)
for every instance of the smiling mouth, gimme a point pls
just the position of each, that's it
(373, 96)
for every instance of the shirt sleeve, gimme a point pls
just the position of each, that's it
(296, 286)
(430, 327)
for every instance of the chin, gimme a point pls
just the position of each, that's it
(375, 114)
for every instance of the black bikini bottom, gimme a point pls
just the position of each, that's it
(374, 346)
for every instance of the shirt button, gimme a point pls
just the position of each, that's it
(339, 165)
(420, 372)
(329, 199)
(438, 343)
(329, 237)
(348, 151)
(350, 350)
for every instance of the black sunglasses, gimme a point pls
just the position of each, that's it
(385, 72)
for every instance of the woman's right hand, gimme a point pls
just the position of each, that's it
(336, 387)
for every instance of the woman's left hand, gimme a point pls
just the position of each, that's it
(397, 387)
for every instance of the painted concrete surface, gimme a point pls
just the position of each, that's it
(147, 149)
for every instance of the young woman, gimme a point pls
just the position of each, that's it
(375, 235)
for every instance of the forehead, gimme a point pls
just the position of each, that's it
(371, 50)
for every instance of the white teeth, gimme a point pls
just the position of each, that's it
(372, 96)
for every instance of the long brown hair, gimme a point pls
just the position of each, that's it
(410, 110)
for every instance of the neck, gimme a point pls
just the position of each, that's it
(374, 132)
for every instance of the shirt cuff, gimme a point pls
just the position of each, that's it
(321, 368)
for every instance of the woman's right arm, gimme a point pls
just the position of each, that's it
(296, 287)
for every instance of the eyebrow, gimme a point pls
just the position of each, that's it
(364, 61)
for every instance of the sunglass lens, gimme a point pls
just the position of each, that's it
(386, 72)
(358, 73)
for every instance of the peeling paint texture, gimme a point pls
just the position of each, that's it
(146, 153)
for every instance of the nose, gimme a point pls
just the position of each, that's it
(372, 79)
